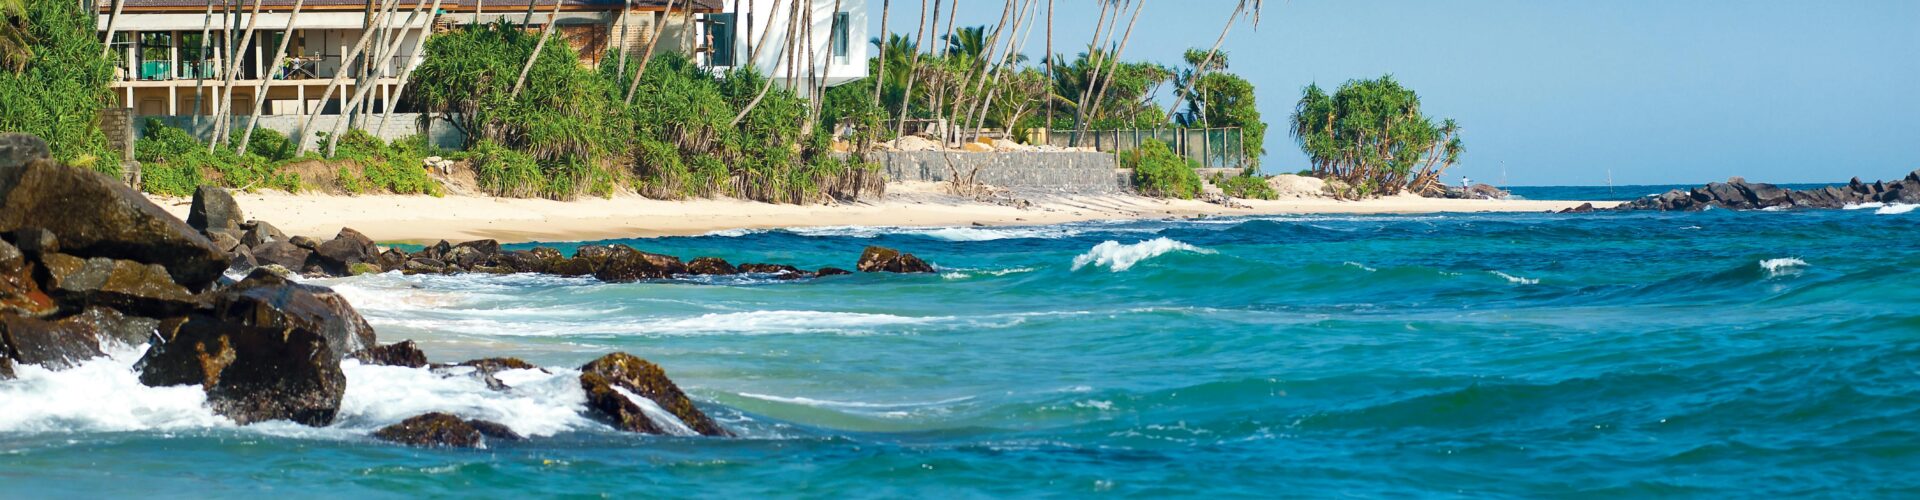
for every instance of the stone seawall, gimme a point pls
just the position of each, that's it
(1062, 172)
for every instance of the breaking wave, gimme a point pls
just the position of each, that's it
(1118, 257)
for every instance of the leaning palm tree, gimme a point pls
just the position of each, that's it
(1241, 7)
(886, 12)
(546, 32)
(1114, 66)
(1103, 25)
(113, 25)
(406, 75)
(793, 14)
(382, 52)
(222, 112)
(913, 65)
(653, 41)
(339, 75)
(260, 92)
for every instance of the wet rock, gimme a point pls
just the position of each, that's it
(268, 300)
(711, 266)
(19, 293)
(214, 209)
(17, 150)
(259, 232)
(881, 259)
(1584, 208)
(831, 271)
(627, 265)
(444, 430)
(6, 364)
(243, 260)
(405, 353)
(338, 255)
(34, 242)
(283, 254)
(113, 326)
(486, 369)
(55, 345)
(143, 289)
(572, 267)
(1738, 194)
(472, 253)
(520, 262)
(250, 373)
(392, 260)
(423, 265)
(775, 271)
(605, 378)
(97, 216)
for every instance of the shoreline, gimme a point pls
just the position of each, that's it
(426, 219)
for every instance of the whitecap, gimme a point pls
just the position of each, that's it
(1516, 279)
(823, 403)
(1896, 209)
(1118, 257)
(959, 274)
(535, 402)
(1782, 266)
(1863, 206)
(1359, 266)
(665, 420)
(100, 395)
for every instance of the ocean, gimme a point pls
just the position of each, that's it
(1618, 354)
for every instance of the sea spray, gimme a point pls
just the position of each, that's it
(101, 395)
(1782, 266)
(1118, 257)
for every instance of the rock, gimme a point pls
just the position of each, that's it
(636, 376)
(521, 262)
(485, 369)
(627, 265)
(776, 271)
(55, 345)
(1728, 196)
(1584, 208)
(304, 242)
(259, 232)
(243, 260)
(34, 242)
(404, 353)
(19, 293)
(359, 268)
(831, 271)
(97, 216)
(444, 430)
(250, 373)
(113, 326)
(1486, 192)
(1738, 194)
(338, 255)
(572, 267)
(882, 259)
(472, 253)
(422, 265)
(6, 364)
(17, 150)
(283, 254)
(392, 260)
(711, 266)
(143, 289)
(223, 240)
(214, 208)
(268, 300)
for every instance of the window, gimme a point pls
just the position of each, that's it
(841, 21)
(720, 30)
(156, 55)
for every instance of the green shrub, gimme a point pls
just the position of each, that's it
(175, 163)
(63, 85)
(1245, 186)
(397, 168)
(1158, 172)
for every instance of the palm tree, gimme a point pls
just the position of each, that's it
(1100, 26)
(793, 14)
(358, 47)
(553, 20)
(626, 5)
(906, 98)
(653, 41)
(1009, 57)
(113, 25)
(1241, 7)
(199, 71)
(222, 111)
(419, 51)
(1049, 58)
(260, 92)
(886, 12)
(382, 53)
(1115, 65)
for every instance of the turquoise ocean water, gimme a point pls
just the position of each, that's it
(1696, 354)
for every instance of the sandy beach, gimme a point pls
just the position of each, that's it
(460, 218)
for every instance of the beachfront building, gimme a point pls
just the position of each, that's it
(754, 32)
(166, 69)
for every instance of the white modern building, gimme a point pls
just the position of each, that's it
(755, 32)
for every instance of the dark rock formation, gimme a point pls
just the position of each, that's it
(1738, 194)
(143, 289)
(259, 232)
(776, 271)
(625, 265)
(56, 345)
(283, 254)
(643, 379)
(882, 259)
(1584, 208)
(20, 149)
(250, 373)
(214, 209)
(269, 300)
(444, 430)
(338, 255)
(19, 293)
(96, 216)
(831, 271)
(404, 353)
(711, 266)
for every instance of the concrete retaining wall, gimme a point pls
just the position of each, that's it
(440, 133)
(1061, 172)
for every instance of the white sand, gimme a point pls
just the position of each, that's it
(460, 218)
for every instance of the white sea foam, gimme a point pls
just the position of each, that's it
(1359, 266)
(1118, 257)
(661, 418)
(1782, 266)
(960, 274)
(887, 410)
(1863, 206)
(100, 395)
(1516, 279)
(536, 402)
(1896, 209)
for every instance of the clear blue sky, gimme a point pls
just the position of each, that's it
(1559, 92)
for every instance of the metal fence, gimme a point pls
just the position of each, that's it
(1211, 147)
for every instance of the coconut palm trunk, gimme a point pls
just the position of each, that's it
(986, 62)
(1207, 63)
(913, 65)
(880, 76)
(406, 75)
(339, 75)
(1114, 67)
(653, 42)
(620, 68)
(380, 53)
(199, 73)
(793, 14)
(1093, 53)
(113, 26)
(1014, 43)
(279, 57)
(939, 108)
(553, 20)
(223, 113)
(1049, 103)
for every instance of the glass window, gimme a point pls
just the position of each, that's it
(156, 58)
(840, 35)
(720, 30)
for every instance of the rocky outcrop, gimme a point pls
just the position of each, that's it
(268, 300)
(347, 249)
(19, 292)
(444, 430)
(625, 265)
(610, 380)
(95, 216)
(1738, 194)
(143, 289)
(882, 259)
(404, 353)
(1584, 208)
(56, 345)
(250, 373)
(711, 266)
(214, 210)
(486, 369)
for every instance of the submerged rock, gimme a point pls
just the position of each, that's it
(624, 264)
(485, 369)
(405, 353)
(711, 266)
(777, 271)
(1738, 194)
(250, 373)
(444, 430)
(882, 259)
(604, 379)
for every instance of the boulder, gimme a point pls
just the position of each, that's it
(34, 242)
(19, 293)
(283, 254)
(214, 209)
(404, 353)
(143, 289)
(304, 242)
(521, 261)
(17, 150)
(393, 259)
(485, 369)
(626, 265)
(97, 216)
(711, 266)
(1761, 195)
(347, 248)
(605, 379)
(243, 260)
(831, 271)
(881, 259)
(472, 253)
(250, 373)
(259, 232)
(113, 326)
(224, 241)
(776, 271)
(6, 364)
(55, 345)
(572, 267)
(423, 265)
(444, 430)
(268, 300)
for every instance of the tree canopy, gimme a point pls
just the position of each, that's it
(55, 86)
(1371, 135)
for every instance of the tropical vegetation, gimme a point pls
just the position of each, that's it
(54, 80)
(1372, 136)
